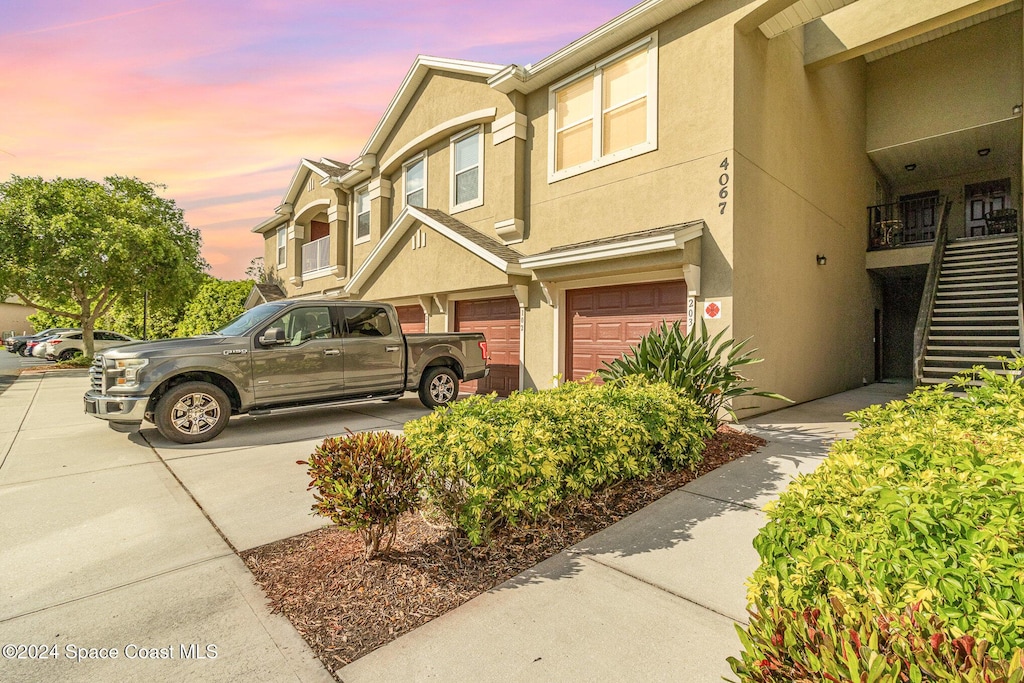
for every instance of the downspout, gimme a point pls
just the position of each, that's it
(931, 286)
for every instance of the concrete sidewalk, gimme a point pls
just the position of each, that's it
(656, 597)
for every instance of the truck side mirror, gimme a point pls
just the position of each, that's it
(272, 336)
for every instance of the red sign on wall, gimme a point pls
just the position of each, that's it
(712, 310)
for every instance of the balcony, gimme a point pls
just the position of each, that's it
(316, 255)
(911, 222)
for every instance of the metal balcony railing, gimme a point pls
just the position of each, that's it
(316, 254)
(909, 222)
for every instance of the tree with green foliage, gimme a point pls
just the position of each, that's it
(77, 248)
(216, 303)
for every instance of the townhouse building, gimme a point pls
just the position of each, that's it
(804, 172)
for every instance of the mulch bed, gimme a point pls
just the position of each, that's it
(346, 607)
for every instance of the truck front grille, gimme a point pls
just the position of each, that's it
(96, 374)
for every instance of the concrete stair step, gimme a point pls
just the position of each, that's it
(961, 360)
(956, 371)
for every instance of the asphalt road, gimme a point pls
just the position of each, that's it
(11, 364)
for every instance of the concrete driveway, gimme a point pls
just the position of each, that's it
(122, 543)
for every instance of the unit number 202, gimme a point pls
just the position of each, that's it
(723, 183)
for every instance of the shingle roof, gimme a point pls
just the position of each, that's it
(615, 239)
(270, 292)
(329, 169)
(506, 254)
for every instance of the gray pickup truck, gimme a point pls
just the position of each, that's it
(279, 356)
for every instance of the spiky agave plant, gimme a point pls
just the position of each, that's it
(701, 368)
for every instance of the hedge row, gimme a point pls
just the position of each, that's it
(491, 463)
(923, 509)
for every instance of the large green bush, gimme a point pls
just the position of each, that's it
(783, 645)
(491, 463)
(365, 482)
(925, 506)
(706, 369)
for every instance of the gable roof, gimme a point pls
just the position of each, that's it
(490, 250)
(416, 74)
(262, 293)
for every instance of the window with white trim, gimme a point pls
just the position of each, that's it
(415, 181)
(282, 247)
(467, 180)
(362, 211)
(606, 113)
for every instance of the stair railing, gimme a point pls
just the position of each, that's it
(1020, 288)
(931, 287)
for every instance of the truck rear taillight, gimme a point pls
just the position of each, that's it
(483, 349)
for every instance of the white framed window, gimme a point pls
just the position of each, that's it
(362, 215)
(282, 247)
(605, 113)
(414, 182)
(467, 161)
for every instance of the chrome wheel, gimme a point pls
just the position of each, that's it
(442, 388)
(195, 413)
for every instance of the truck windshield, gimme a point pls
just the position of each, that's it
(251, 318)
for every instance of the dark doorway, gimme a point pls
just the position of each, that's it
(902, 289)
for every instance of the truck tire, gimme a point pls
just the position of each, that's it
(192, 412)
(439, 386)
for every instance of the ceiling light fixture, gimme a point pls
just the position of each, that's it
(983, 152)
(910, 167)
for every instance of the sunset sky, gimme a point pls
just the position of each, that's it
(219, 99)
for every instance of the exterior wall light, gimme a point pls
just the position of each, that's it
(821, 259)
(910, 167)
(1017, 109)
(983, 152)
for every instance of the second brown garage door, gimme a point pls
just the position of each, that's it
(603, 322)
(411, 319)
(498, 319)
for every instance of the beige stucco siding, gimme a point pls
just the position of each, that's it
(672, 184)
(14, 318)
(803, 181)
(965, 79)
(439, 267)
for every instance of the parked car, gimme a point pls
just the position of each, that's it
(279, 356)
(37, 347)
(17, 344)
(67, 345)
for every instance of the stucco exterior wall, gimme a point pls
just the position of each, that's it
(803, 181)
(14, 317)
(947, 84)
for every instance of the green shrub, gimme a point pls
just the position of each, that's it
(701, 368)
(783, 645)
(925, 505)
(492, 463)
(365, 481)
(79, 361)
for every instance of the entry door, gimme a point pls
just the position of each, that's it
(308, 366)
(919, 215)
(981, 199)
(374, 350)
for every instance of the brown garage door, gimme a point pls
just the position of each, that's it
(411, 319)
(603, 322)
(498, 319)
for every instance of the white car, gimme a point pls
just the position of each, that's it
(67, 345)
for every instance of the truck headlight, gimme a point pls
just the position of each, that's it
(127, 371)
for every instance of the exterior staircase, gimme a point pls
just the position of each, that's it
(976, 312)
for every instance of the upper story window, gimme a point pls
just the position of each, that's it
(605, 113)
(362, 211)
(282, 247)
(416, 182)
(467, 170)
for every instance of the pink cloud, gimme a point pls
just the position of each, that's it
(220, 100)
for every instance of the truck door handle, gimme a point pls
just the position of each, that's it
(331, 352)
(391, 349)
